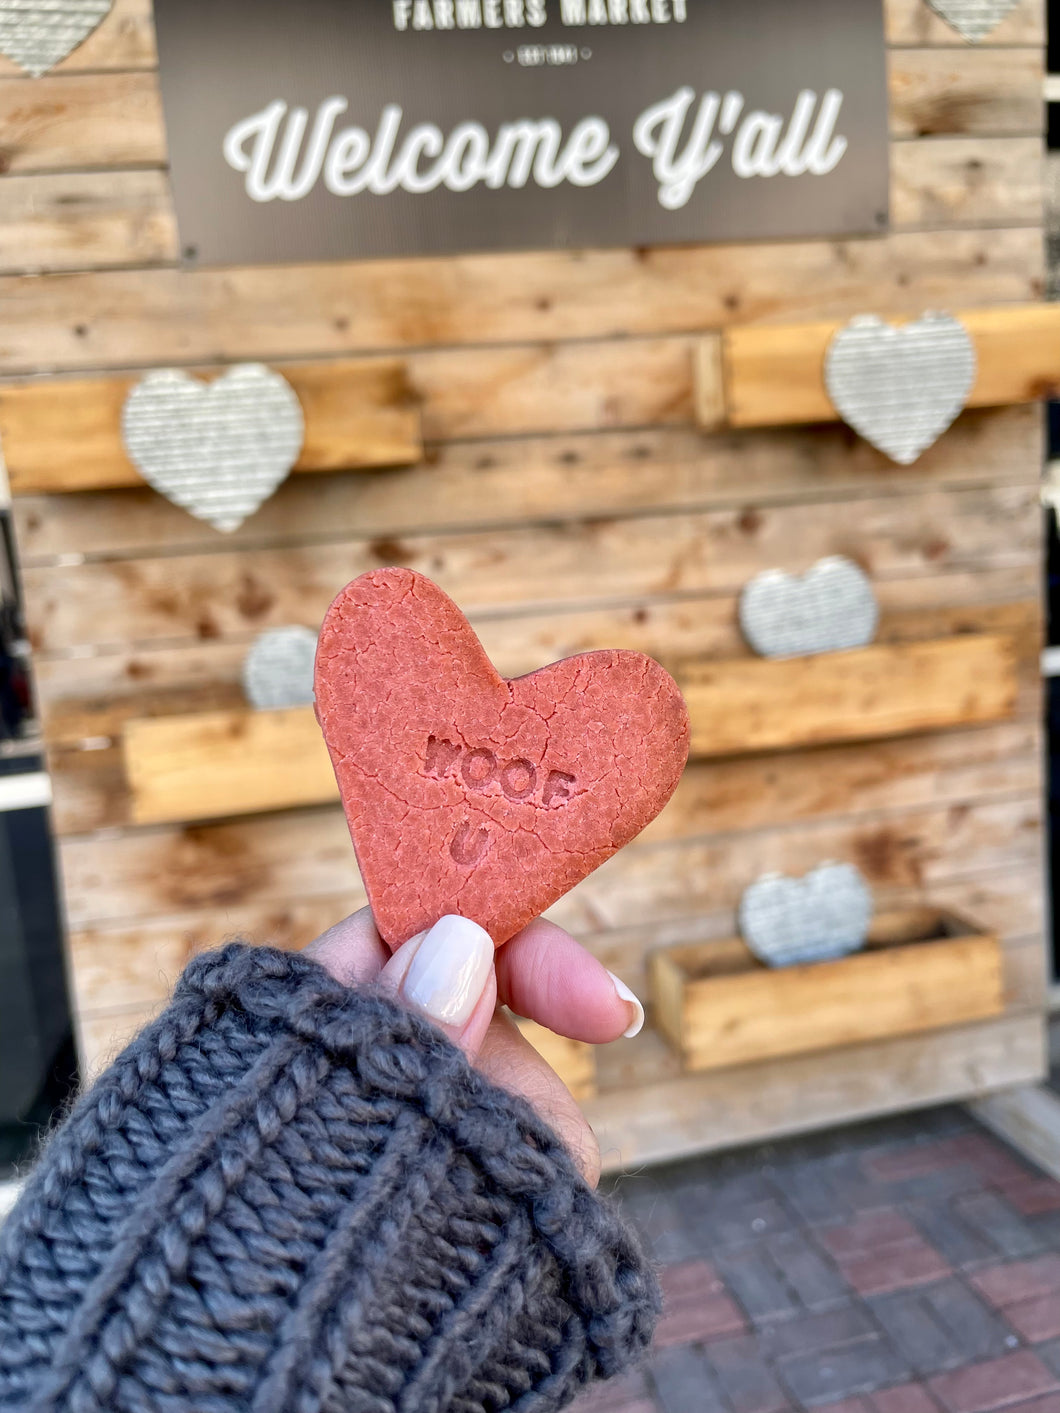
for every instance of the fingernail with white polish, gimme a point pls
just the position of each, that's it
(450, 970)
(626, 994)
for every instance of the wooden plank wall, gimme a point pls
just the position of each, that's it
(566, 501)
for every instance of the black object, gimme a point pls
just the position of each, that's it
(37, 1067)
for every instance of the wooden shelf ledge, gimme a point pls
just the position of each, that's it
(744, 705)
(721, 1109)
(921, 970)
(213, 765)
(64, 434)
(773, 375)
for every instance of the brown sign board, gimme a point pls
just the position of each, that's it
(336, 129)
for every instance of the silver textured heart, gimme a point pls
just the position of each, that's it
(219, 449)
(831, 608)
(823, 916)
(278, 670)
(973, 19)
(900, 388)
(38, 34)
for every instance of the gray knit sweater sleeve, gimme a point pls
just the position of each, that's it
(287, 1196)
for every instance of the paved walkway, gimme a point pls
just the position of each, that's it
(911, 1266)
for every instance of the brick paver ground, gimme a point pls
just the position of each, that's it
(911, 1266)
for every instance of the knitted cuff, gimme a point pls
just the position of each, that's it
(287, 1195)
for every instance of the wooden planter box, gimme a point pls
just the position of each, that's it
(573, 1060)
(742, 705)
(922, 970)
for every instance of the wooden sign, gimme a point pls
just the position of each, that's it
(304, 130)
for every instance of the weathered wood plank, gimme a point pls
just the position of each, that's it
(584, 475)
(65, 434)
(775, 376)
(138, 965)
(966, 181)
(125, 40)
(658, 882)
(236, 593)
(668, 1120)
(122, 964)
(965, 91)
(884, 690)
(671, 1116)
(120, 318)
(268, 859)
(221, 764)
(367, 412)
(99, 220)
(90, 699)
(92, 696)
(84, 220)
(67, 121)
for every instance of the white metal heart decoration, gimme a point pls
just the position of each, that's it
(278, 670)
(973, 19)
(831, 608)
(218, 450)
(900, 387)
(38, 34)
(821, 917)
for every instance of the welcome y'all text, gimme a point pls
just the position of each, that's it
(284, 156)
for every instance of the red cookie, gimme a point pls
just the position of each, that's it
(466, 793)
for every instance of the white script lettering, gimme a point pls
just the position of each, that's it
(762, 147)
(283, 155)
(350, 161)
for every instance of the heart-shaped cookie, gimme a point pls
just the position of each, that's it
(218, 450)
(38, 34)
(468, 793)
(831, 608)
(900, 387)
(821, 917)
(973, 19)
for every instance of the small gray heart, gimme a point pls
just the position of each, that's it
(973, 19)
(278, 670)
(821, 917)
(218, 450)
(38, 34)
(900, 388)
(830, 608)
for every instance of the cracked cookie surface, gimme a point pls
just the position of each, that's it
(469, 793)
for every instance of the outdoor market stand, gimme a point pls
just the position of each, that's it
(580, 484)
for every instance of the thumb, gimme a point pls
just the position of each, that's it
(447, 974)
